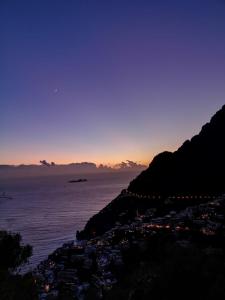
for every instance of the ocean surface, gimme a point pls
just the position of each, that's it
(47, 211)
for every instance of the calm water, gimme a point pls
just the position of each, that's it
(47, 211)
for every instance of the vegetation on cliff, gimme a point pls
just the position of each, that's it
(13, 254)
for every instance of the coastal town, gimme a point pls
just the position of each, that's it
(81, 269)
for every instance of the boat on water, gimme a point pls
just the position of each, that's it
(77, 180)
(4, 196)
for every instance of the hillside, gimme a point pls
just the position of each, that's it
(196, 167)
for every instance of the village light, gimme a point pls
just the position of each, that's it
(47, 288)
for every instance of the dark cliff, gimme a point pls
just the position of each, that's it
(198, 166)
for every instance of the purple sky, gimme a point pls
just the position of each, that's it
(106, 81)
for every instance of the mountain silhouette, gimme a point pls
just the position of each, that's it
(198, 166)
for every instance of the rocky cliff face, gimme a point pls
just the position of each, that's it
(198, 166)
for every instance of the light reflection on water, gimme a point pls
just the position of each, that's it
(48, 210)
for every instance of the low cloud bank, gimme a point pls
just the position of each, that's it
(48, 168)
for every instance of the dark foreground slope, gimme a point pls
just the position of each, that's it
(162, 239)
(197, 167)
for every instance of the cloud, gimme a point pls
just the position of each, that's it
(129, 164)
(45, 163)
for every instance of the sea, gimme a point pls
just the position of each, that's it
(48, 210)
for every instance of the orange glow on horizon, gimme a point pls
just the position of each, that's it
(67, 160)
(108, 158)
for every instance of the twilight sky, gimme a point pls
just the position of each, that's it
(105, 81)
